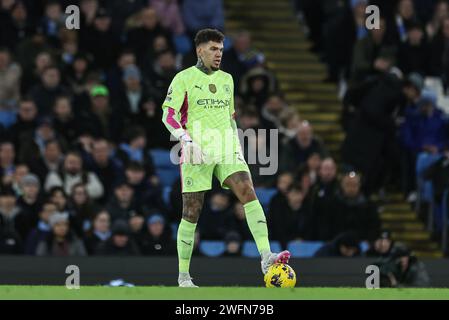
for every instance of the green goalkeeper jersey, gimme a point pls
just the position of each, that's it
(203, 105)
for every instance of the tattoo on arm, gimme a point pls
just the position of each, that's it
(192, 203)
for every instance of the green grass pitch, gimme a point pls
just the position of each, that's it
(216, 293)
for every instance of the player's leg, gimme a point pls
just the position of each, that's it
(242, 186)
(195, 180)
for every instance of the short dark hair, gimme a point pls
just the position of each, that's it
(206, 35)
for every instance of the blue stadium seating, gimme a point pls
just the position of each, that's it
(212, 248)
(168, 176)
(265, 195)
(166, 195)
(304, 249)
(161, 159)
(174, 230)
(249, 248)
(364, 246)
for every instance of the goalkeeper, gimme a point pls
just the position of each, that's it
(199, 112)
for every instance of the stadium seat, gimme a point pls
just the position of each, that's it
(161, 159)
(167, 176)
(275, 246)
(182, 43)
(265, 195)
(174, 230)
(166, 195)
(304, 249)
(212, 248)
(249, 250)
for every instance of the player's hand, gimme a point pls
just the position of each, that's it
(191, 152)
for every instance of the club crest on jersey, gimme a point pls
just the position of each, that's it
(227, 89)
(212, 88)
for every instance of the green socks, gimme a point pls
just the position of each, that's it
(257, 223)
(185, 241)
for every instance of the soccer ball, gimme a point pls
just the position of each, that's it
(280, 275)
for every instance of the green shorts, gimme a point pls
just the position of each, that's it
(195, 178)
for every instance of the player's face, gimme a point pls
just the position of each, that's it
(211, 54)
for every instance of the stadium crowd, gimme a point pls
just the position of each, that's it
(80, 112)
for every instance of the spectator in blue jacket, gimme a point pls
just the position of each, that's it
(199, 14)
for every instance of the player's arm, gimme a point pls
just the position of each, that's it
(171, 117)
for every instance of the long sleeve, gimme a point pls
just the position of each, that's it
(174, 101)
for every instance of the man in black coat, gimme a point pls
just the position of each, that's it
(157, 239)
(120, 243)
(345, 245)
(370, 146)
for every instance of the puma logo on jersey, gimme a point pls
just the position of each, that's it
(187, 243)
(261, 221)
(199, 87)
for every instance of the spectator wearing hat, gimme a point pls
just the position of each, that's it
(45, 93)
(61, 242)
(71, 173)
(42, 230)
(120, 243)
(100, 40)
(122, 203)
(156, 239)
(99, 233)
(345, 245)
(104, 121)
(382, 246)
(424, 130)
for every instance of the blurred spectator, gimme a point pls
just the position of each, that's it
(215, 213)
(13, 219)
(122, 202)
(161, 72)
(42, 229)
(169, 14)
(88, 10)
(71, 173)
(120, 243)
(199, 14)
(7, 159)
(372, 52)
(81, 209)
(133, 148)
(61, 242)
(32, 74)
(122, 10)
(289, 220)
(52, 22)
(368, 146)
(10, 242)
(77, 72)
(441, 12)
(256, 86)
(30, 201)
(15, 25)
(136, 223)
(289, 123)
(241, 57)
(26, 122)
(249, 118)
(233, 245)
(344, 245)
(100, 231)
(65, 123)
(114, 77)
(353, 212)
(20, 171)
(45, 93)
(99, 36)
(439, 64)
(322, 193)
(425, 131)
(147, 192)
(382, 246)
(156, 239)
(49, 161)
(103, 120)
(299, 148)
(58, 196)
(414, 53)
(271, 111)
(236, 222)
(105, 165)
(283, 183)
(140, 39)
(403, 269)
(405, 16)
(10, 74)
